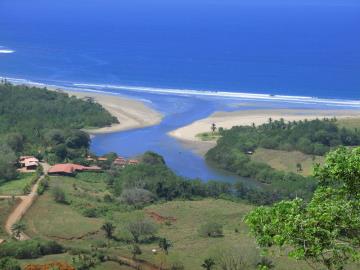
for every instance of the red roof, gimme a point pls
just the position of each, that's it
(71, 168)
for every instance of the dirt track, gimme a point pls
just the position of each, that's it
(23, 206)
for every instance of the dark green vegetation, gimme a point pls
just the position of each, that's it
(46, 124)
(234, 149)
(30, 249)
(125, 213)
(326, 230)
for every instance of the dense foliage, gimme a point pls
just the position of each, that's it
(234, 148)
(327, 229)
(31, 110)
(147, 182)
(29, 249)
(46, 124)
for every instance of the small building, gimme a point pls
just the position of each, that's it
(89, 158)
(120, 161)
(133, 162)
(29, 162)
(102, 159)
(71, 169)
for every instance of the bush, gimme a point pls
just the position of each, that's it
(44, 185)
(141, 229)
(211, 229)
(27, 189)
(29, 249)
(137, 196)
(59, 195)
(90, 212)
(9, 264)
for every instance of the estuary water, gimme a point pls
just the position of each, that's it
(186, 58)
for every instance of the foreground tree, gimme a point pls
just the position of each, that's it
(327, 229)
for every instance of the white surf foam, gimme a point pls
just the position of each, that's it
(6, 51)
(224, 94)
(101, 88)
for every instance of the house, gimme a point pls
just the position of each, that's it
(102, 159)
(120, 161)
(28, 162)
(89, 158)
(71, 169)
(133, 162)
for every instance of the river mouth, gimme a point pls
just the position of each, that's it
(179, 111)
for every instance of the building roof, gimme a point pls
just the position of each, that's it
(133, 161)
(31, 163)
(25, 157)
(28, 161)
(70, 168)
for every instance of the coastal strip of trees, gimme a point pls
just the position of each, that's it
(235, 146)
(46, 124)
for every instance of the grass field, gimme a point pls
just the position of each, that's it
(286, 161)
(208, 136)
(50, 220)
(16, 187)
(351, 123)
(5, 207)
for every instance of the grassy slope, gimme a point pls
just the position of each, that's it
(47, 218)
(16, 187)
(5, 208)
(286, 161)
(349, 123)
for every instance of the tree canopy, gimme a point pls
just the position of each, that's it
(316, 137)
(326, 230)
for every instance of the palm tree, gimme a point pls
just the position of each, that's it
(109, 229)
(213, 127)
(165, 244)
(17, 229)
(208, 264)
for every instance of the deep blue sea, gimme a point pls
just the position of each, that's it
(157, 49)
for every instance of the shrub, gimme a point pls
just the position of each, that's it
(29, 249)
(44, 185)
(9, 264)
(137, 197)
(90, 212)
(211, 229)
(141, 229)
(27, 189)
(59, 195)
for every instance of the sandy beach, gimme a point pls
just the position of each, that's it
(132, 114)
(188, 133)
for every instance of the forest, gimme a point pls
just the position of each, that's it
(44, 123)
(236, 145)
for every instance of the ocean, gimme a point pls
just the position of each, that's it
(200, 55)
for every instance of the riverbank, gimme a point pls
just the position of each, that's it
(188, 134)
(132, 114)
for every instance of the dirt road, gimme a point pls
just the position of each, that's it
(26, 202)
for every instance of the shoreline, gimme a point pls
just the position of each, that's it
(187, 135)
(131, 114)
